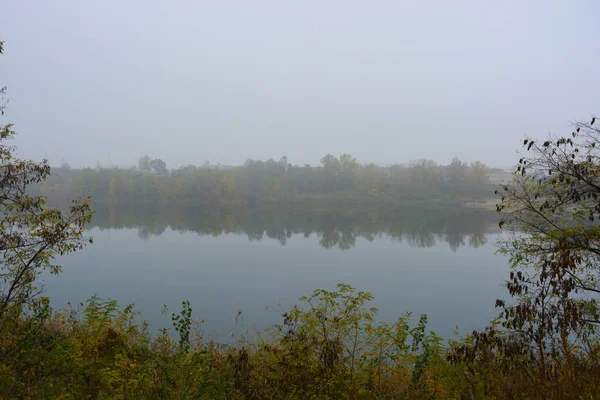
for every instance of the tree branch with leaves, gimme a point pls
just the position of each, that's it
(32, 234)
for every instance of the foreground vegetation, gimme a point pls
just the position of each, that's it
(330, 347)
(543, 345)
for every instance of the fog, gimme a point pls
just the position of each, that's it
(223, 81)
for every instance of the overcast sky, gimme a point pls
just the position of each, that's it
(387, 81)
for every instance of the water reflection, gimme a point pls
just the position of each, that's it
(417, 227)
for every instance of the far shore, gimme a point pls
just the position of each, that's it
(487, 204)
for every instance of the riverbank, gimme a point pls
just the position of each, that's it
(328, 347)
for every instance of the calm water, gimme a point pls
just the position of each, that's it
(441, 263)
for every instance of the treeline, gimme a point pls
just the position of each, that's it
(337, 181)
(417, 227)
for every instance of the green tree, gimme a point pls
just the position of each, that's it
(349, 164)
(283, 163)
(145, 163)
(31, 233)
(423, 172)
(479, 172)
(159, 166)
(456, 170)
(331, 164)
(550, 210)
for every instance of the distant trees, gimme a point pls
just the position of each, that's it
(331, 164)
(479, 172)
(145, 163)
(338, 181)
(283, 164)
(424, 172)
(149, 164)
(159, 166)
(456, 170)
(348, 164)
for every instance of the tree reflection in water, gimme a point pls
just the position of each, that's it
(417, 227)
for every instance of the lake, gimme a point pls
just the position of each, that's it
(438, 262)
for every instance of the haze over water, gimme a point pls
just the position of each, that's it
(446, 269)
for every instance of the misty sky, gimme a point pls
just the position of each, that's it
(387, 81)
